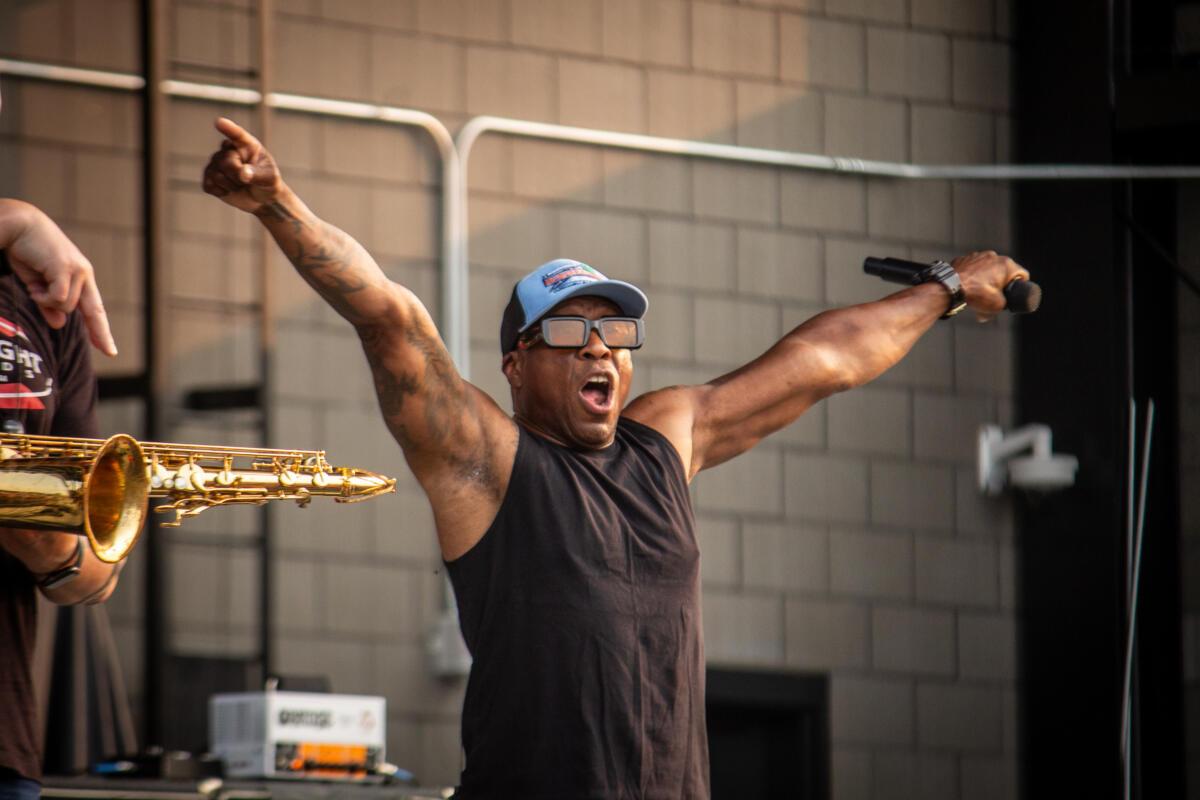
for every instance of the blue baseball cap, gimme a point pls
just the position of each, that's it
(556, 281)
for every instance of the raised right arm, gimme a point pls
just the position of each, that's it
(458, 442)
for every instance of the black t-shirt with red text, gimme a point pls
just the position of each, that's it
(46, 384)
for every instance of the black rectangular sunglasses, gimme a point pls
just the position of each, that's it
(623, 332)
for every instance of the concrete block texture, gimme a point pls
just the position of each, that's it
(733, 39)
(743, 629)
(47, 112)
(850, 773)
(943, 135)
(734, 191)
(787, 558)
(687, 106)
(550, 25)
(822, 52)
(864, 127)
(983, 217)
(415, 72)
(989, 777)
(957, 717)
(779, 264)
(647, 182)
(318, 59)
(545, 170)
(966, 16)
(647, 31)
(983, 356)
(748, 484)
(874, 10)
(912, 640)
(913, 211)
(720, 551)
(779, 117)
(484, 20)
(915, 775)
(945, 426)
(401, 14)
(912, 495)
(511, 83)
(908, 64)
(825, 488)
(816, 201)
(826, 635)
(511, 234)
(615, 243)
(210, 36)
(691, 255)
(733, 332)
(982, 74)
(871, 711)
(871, 565)
(957, 572)
(606, 96)
(987, 646)
(871, 420)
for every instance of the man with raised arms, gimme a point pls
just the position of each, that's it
(567, 528)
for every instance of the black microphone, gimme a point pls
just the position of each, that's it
(1021, 297)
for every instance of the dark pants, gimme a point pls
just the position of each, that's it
(14, 787)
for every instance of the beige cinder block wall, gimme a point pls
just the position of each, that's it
(853, 543)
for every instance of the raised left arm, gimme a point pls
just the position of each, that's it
(832, 352)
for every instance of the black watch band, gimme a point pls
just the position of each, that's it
(947, 276)
(64, 574)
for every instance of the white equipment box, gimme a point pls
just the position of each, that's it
(298, 734)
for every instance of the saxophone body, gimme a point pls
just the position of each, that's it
(99, 488)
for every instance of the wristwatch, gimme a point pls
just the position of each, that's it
(946, 275)
(65, 574)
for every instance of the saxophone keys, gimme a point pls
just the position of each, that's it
(226, 477)
(320, 480)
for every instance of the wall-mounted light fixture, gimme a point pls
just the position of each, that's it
(1043, 471)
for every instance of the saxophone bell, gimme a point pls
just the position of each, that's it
(101, 495)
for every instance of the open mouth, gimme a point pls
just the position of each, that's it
(597, 394)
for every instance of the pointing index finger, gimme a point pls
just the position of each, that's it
(96, 320)
(247, 146)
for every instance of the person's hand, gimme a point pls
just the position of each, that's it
(56, 274)
(242, 172)
(984, 277)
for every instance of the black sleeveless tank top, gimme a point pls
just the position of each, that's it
(581, 608)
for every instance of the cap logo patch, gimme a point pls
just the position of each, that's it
(569, 275)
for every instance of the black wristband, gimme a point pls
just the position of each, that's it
(64, 574)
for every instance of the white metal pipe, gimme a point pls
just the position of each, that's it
(459, 267)
(86, 77)
(477, 126)
(451, 285)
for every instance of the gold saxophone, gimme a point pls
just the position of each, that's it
(99, 487)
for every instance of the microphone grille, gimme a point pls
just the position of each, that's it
(1023, 297)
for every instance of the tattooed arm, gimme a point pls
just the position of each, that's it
(458, 442)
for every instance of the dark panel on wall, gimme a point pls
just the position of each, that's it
(1103, 252)
(1070, 376)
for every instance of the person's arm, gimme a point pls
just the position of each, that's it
(45, 552)
(458, 442)
(56, 274)
(832, 352)
(60, 280)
